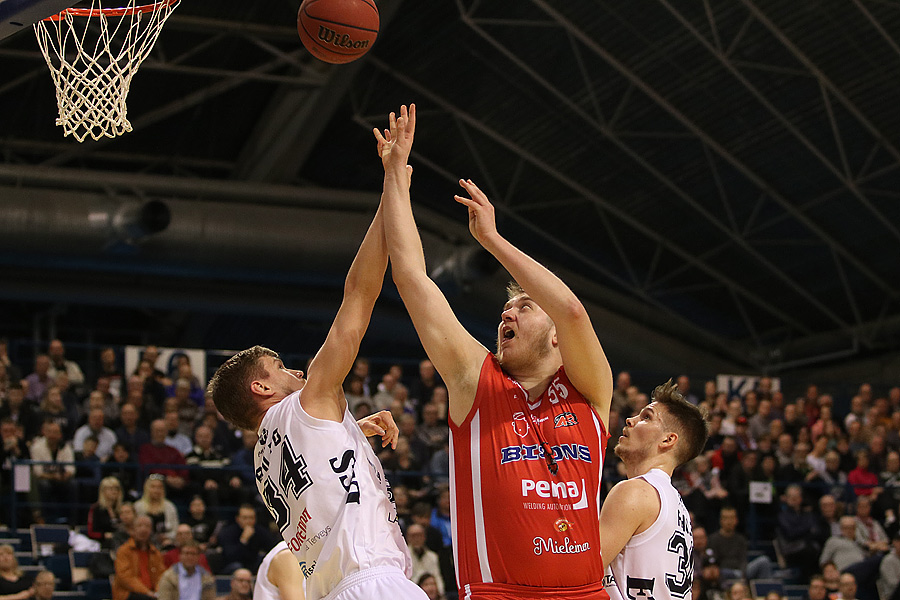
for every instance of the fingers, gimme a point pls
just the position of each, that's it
(411, 128)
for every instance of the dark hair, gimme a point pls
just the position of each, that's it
(690, 421)
(230, 386)
(421, 509)
(424, 577)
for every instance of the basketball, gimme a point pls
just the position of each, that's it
(338, 31)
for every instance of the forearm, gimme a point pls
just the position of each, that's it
(404, 243)
(539, 282)
(366, 274)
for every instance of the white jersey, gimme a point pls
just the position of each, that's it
(264, 590)
(327, 492)
(656, 564)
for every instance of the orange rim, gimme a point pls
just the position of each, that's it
(111, 12)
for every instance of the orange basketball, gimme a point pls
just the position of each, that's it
(338, 31)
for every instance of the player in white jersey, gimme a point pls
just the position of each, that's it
(279, 576)
(645, 530)
(316, 472)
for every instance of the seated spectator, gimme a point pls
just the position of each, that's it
(87, 472)
(187, 579)
(710, 580)
(401, 467)
(44, 586)
(848, 588)
(843, 550)
(424, 561)
(241, 585)
(207, 480)
(432, 432)
(139, 565)
(54, 481)
(831, 577)
(796, 532)
(864, 481)
(817, 589)
(204, 527)
(157, 452)
(161, 511)
(889, 571)
(105, 401)
(889, 481)
(244, 542)
(439, 466)
(103, 516)
(243, 472)
(109, 370)
(53, 408)
(12, 447)
(120, 465)
(828, 519)
(183, 537)
(36, 383)
(95, 427)
(14, 584)
(187, 407)
(174, 437)
(56, 352)
(421, 515)
(730, 547)
(129, 432)
(20, 412)
(126, 525)
(738, 590)
(832, 480)
(429, 585)
(869, 532)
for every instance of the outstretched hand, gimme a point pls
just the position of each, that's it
(482, 222)
(395, 144)
(381, 423)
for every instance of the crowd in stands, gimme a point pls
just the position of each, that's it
(148, 468)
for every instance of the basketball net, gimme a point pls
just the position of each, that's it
(93, 53)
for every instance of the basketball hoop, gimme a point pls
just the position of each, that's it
(93, 53)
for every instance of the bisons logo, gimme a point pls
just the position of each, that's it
(562, 525)
(520, 424)
(566, 419)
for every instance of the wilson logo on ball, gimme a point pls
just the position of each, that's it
(330, 36)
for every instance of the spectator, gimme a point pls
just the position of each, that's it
(863, 480)
(95, 427)
(401, 467)
(12, 371)
(12, 447)
(432, 433)
(55, 480)
(843, 550)
(440, 520)
(421, 515)
(14, 584)
(243, 471)
(869, 532)
(19, 412)
(421, 387)
(429, 585)
(129, 433)
(187, 579)
(739, 591)
(52, 407)
(204, 526)
(832, 578)
(244, 542)
(848, 589)
(817, 589)
(684, 386)
(889, 571)
(157, 452)
(828, 519)
(710, 580)
(832, 480)
(424, 561)
(105, 401)
(37, 382)
(121, 467)
(183, 537)
(58, 363)
(760, 422)
(125, 529)
(161, 511)
(139, 565)
(174, 437)
(241, 585)
(103, 516)
(208, 479)
(730, 547)
(796, 532)
(109, 371)
(44, 585)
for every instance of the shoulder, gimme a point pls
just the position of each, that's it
(636, 491)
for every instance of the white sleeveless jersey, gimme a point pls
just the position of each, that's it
(264, 590)
(656, 564)
(329, 497)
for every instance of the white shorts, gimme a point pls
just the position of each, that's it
(377, 583)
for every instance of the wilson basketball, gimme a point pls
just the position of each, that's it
(338, 31)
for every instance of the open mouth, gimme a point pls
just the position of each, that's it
(509, 334)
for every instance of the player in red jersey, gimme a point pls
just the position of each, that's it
(528, 423)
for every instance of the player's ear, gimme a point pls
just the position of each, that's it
(669, 440)
(260, 388)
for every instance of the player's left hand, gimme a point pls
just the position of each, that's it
(381, 423)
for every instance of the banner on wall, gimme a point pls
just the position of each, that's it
(738, 385)
(166, 362)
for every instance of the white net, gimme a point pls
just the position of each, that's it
(93, 55)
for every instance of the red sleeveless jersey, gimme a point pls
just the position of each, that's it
(517, 526)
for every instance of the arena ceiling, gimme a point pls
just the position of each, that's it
(718, 179)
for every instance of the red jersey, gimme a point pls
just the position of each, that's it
(516, 525)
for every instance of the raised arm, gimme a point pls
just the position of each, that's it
(456, 355)
(586, 363)
(361, 289)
